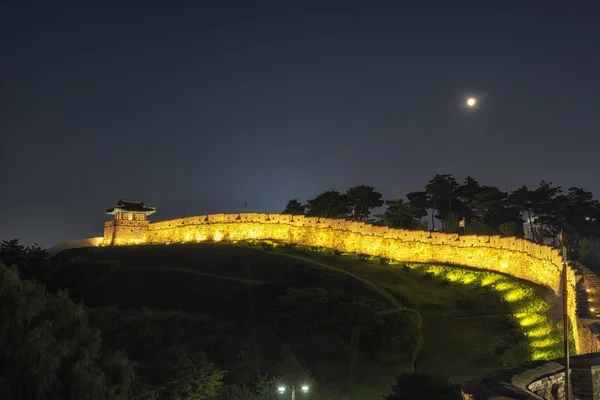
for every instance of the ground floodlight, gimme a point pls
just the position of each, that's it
(281, 389)
(305, 388)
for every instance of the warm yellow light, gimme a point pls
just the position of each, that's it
(471, 101)
(514, 295)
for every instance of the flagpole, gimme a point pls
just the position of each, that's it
(565, 319)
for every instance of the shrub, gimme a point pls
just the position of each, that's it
(516, 354)
(421, 386)
(363, 257)
(384, 261)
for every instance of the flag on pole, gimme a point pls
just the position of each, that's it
(462, 223)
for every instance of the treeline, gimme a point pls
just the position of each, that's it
(164, 339)
(484, 209)
(51, 347)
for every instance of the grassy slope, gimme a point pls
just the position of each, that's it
(458, 338)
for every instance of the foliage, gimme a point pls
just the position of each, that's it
(292, 313)
(486, 209)
(30, 260)
(49, 351)
(294, 207)
(530, 310)
(399, 214)
(194, 378)
(588, 253)
(420, 386)
(329, 204)
(363, 199)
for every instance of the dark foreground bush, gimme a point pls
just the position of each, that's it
(423, 387)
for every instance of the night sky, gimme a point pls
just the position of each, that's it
(198, 108)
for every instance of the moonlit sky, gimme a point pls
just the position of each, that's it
(198, 108)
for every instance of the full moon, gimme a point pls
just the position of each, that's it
(471, 101)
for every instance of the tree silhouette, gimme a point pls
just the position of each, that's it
(49, 351)
(399, 214)
(423, 387)
(294, 207)
(329, 204)
(363, 199)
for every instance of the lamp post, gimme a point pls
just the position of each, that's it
(565, 318)
(293, 389)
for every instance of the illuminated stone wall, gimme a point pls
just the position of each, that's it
(125, 232)
(73, 244)
(519, 258)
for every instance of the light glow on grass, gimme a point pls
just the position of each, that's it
(514, 295)
(529, 307)
(489, 280)
(531, 320)
(502, 286)
(544, 343)
(543, 355)
(539, 332)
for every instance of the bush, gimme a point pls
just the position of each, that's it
(421, 386)
(516, 354)
(337, 253)
(363, 257)
(428, 276)
(384, 261)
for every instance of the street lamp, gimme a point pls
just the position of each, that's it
(293, 389)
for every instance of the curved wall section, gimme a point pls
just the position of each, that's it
(517, 257)
(72, 244)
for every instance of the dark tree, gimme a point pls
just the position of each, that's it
(399, 214)
(13, 253)
(363, 199)
(419, 201)
(294, 207)
(329, 204)
(522, 199)
(49, 351)
(442, 191)
(545, 207)
(31, 261)
(423, 387)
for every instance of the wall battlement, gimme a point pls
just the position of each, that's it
(519, 258)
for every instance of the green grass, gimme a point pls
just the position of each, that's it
(305, 300)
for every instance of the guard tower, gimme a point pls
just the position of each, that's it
(130, 223)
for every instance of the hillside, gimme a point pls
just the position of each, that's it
(343, 322)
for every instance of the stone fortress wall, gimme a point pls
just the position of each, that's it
(77, 243)
(517, 257)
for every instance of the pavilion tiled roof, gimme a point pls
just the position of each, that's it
(125, 205)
